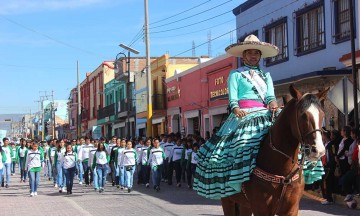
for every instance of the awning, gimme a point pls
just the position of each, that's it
(313, 80)
(191, 114)
(158, 120)
(141, 126)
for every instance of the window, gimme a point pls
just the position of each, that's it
(276, 33)
(310, 29)
(341, 28)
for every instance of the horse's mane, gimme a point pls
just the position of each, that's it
(307, 101)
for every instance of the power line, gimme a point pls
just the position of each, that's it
(50, 38)
(192, 23)
(187, 33)
(238, 27)
(191, 16)
(181, 12)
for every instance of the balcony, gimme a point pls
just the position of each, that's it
(122, 108)
(106, 111)
(159, 101)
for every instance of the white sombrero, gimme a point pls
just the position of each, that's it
(252, 42)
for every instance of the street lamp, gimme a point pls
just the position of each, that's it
(116, 70)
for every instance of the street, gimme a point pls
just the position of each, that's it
(141, 201)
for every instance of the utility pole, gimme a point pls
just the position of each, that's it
(53, 114)
(353, 63)
(78, 121)
(148, 75)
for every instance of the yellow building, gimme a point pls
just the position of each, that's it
(162, 68)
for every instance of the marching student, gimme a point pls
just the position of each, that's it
(156, 161)
(100, 163)
(118, 159)
(83, 158)
(69, 165)
(21, 154)
(187, 157)
(79, 166)
(9, 154)
(112, 166)
(47, 159)
(138, 148)
(51, 152)
(143, 159)
(176, 156)
(168, 170)
(13, 159)
(34, 158)
(2, 161)
(93, 170)
(128, 161)
(191, 164)
(61, 178)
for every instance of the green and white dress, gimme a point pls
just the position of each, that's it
(227, 159)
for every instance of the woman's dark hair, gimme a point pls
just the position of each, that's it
(99, 149)
(347, 130)
(67, 146)
(59, 148)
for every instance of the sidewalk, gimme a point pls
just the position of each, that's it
(338, 199)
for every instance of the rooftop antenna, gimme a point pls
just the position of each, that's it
(209, 44)
(193, 49)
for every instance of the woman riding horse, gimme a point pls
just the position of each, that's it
(228, 158)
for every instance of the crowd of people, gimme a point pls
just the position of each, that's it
(93, 161)
(341, 163)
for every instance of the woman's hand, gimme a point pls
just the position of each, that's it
(239, 113)
(273, 106)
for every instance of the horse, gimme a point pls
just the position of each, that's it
(276, 184)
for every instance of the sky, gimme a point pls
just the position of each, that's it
(41, 40)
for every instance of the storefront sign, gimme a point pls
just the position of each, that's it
(220, 90)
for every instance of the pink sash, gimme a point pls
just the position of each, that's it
(250, 104)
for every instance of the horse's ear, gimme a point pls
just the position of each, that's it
(294, 92)
(322, 95)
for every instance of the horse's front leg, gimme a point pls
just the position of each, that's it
(229, 207)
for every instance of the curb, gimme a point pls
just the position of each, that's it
(338, 199)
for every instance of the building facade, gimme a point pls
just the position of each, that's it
(197, 98)
(91, 100)
(161, 68)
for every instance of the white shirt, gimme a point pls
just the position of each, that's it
(129, 157)
(69, 160)
(84, 151)
(156, 156)
(144, 156)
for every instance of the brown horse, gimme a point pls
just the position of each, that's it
(276, 184)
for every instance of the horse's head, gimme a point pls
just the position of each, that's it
(307, 123)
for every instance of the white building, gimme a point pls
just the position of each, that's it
(312, 35)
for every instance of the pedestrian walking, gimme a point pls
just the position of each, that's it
(13, 159)
(156, 161)
(79, 166)
(138, 148)
(143, 160)
(47, 171)
(59, 157)
(69, 165)
(128, 161)
(191, 165)
(9, 154)
(52, 152)
(84, 158)
(93, 170)
(101, 163)
(21, 154)
(185, 164)
(112, 166)
(176, 156)
(2, 162)
(34, 158)
(118, 159)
